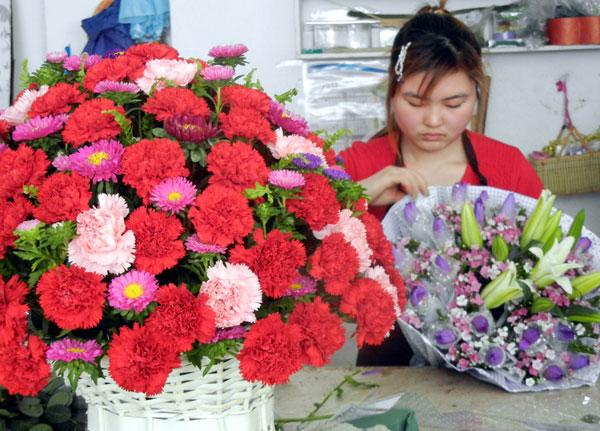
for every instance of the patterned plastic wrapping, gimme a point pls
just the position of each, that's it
(428, 354)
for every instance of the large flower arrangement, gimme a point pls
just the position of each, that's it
(154, 207)
(501, 285)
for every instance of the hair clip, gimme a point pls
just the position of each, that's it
(400, 62)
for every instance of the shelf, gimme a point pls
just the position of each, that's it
(545, 48)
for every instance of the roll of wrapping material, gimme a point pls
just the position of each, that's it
(574, 31)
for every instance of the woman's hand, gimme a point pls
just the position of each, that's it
(384, 186)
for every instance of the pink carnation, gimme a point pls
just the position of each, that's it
(233, 292)
(179, 71)
(293, 144)
(354, 232)
(102, 245)
(228, 51)
(16, 113)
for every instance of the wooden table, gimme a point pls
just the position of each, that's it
(450, 398)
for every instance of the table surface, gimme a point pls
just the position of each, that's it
(449, 397)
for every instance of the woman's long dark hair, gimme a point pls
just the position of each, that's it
(439, 44)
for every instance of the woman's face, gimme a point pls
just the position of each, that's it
(433, 123)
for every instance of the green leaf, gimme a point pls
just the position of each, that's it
(8, 414)
(31, 406)
(63, 397)
(41, 427)
(287, 96)
(57, 414)
(159, 132)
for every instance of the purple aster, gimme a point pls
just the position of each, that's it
(62, 163)
(132, 291)
(113, 53)
(190, 128)
(39, 127)
(231, 333)
(307, 161)
(100, 161)
(228, 51)
(193, 243)
(286, 179)
(217, 73)
(336, 174)
(339, 159)
(303, 285)
(73, 63)
(174, 194)
(28, 225)
(69, 350)
(117, 87)
(56, 57)
(292, 123)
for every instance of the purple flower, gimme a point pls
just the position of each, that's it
(479, 211)
(69, 350)
(564, 333)
(459, 193)
(228, 51)
(577, 361)
(442, 265)
(217, 73)
(174, 194)
(231, 333)
(39, 127)
(509, 209)
(117, 87)
(292, 123)
(113, 53)
(73, 63)
(133, 290)
(190, 128)
(303, 285)
(62, 163)
(339, 159)
(484, 196)
(307, 161)
(438, 225)
(336, 174)
(481, 324)
(530, 336)
(411, 212)
(445, 337)
(56, 57)
(553, 373)
(583, 244)
(495, 356)
(286, 179)
(100, 161)
(417, 294)
(193, 243)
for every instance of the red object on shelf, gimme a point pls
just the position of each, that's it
(574, 31)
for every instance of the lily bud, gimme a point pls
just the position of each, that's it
(555, 236)
(551, 226)
(576, 226)
(500, 248)
(504, 288)
(542, 304)
(470, 231)
(584, 284)
(536, 225)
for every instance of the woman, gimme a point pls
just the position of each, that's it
(435, 76)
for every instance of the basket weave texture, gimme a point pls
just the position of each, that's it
(568, 175)
(220, 400)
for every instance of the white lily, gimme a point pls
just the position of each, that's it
(502, 288)
(550, 267)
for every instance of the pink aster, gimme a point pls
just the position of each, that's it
(39, 127)
(117, 87)
(56, 57)
(216, 73)
(17, 112)
(62, 163)
(232, 333)
(303, 285)
(69, 350)
(233, 292)
(228, 51)
(286, 179)
(100, 161)
(132, 291)
(193, 243)
(190, 128)
(292, 123)
(293, 144)
(27, 225)
(180, 72)
(174, 194)
(73, 63)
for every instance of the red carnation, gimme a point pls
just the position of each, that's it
(323, 331)
(23, 367)
(176, 101)
(317, 204)
(248, 124)
(141, 359)
(113, 69)
(157, 244)
(272, 351)
(151, 51)
(148, 163)
(59, 99)
(221, 216)
(4, 129)
(396, 280)
(12, 213)
(382, 248)
(329, 154)
(373, 309)
(274, 260)
(13, 311)
(237, 96)
(21, 167)
(63, 197)
(71, 297)
(182, 317)
(237, 165)
(87, 123)
(335, 262)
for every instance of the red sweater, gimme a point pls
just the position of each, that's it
(503, 165)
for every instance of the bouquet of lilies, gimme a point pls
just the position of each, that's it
(501, 284)
(155, 208)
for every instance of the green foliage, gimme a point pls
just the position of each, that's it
(287, 96)
(329, 140)
(212, 351)
(248, 83)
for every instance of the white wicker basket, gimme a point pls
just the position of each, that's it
(221, 400)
